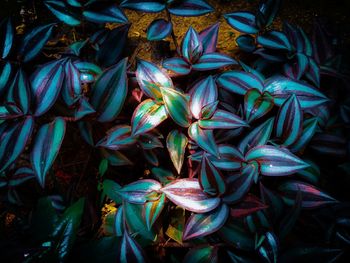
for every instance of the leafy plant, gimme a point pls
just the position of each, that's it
(219, 154)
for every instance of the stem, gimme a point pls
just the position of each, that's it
(173, 36)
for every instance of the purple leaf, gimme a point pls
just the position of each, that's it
(297, 67)
(177, 65)
(188, 194)
(200, 225)
(209, 38)
(222, 120)
(72, 89)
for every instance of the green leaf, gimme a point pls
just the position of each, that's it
(176, 143)
(111, 188)
(152, 210)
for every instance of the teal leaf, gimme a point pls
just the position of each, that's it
(191, 46)
(109, 92)
(47, 144)
(257, 104)
(5, 74)
(72, 88)
(153, 209)
(308, 130)
(199, 225)
(130, 251)
(211, 179)
(243, 22)
(204, 138)
(63, 12)
(104, 12)
(159, 29)
(212, 61)
(176, 143)
(6, 37)
(111, 188)
(222, 120)
(34, 41)
(147, 116)
(117, 138)
(139, 192)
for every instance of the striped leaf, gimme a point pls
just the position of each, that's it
(109, 92)
(47, 144)
(147, 116)
(242, 21)
(130, 251)
(141, 191)
(239, 82)
(210, 179)
(204, 138)
(18, 92)
(148, 6)
(274, 40)
(222, 120)
(329, 144)
(281, 88)
(159, 29)
(209, 38)
(6, 37)
(63, 12)
(190, 8)
(203, 93)
(177, 105)
(200, 225)
(152, 210)
(21, 175)
(176, 143)
(191, 46)
(202, 254)
(34, 41)
(249, 205)
(104, 12)
(5, 75)
(257, 104)
(267, 11)
(188, 194)
(259, 136)
(246, 43)
(72, 89)
(311, 196)
(297, 67)
(289, 121)
(239, 185)
(177, 65)
(230, 158)
(117, 138)
(46, 84)
(212, 61)
(275, 161)
(309, 129)
(151, 79)
(14, 137)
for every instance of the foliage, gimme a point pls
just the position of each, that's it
(205, 151)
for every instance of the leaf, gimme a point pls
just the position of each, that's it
(188, 194)
(66, 230)
(275, 161)
(308, 131)
(267, 11)
(117, 138)
(177, 65)
(257, 104)
(62, 12)
(147, 116)
(208, 110)
(5, 74)
(138, 191)
(115, 158)
(249, 205)
(104, 12)
(246, 43)
(239, 185)
(14, 137)
(269, 248)
(207, 254)
(72, 88)
(209, 38)
(259, 136)
(289, 121)
(313, 72)
(204, 138)
(21, 175)
(148, 6)
(274, 40)
(176, 143)
(34, 41)
(47, 144)
(152, 210)
(151, 140)
(111, 49)
(329, 144)
(274, 202)
(111, 188)
(204, 92)
(190, 8)
(210, 179)
(297, 67)
(242, 21)
(211, 61)
(130, 251)
(312, 197)
(191, 46)
(177, 105)
(176, 224)
(159, 29)
(46, 84)
(235, 235)
(109, 92)
(281, 88)
(151, 79)
(239, 82)
(230, 158)
(6, 37)
(222, 120)
(199, 225)
(18, 92)
(310, 252)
